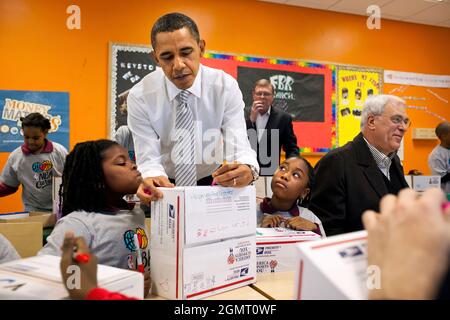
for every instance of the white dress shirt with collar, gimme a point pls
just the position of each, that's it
(261, 122)
(218, 109)
(383, 161)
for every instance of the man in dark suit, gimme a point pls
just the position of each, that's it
(353, 178)
(269, 129)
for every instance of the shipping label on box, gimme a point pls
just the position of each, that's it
(190, 217)
(39, 277)
(332, 268)
(275, 248)
(422, 183)
(218, 267)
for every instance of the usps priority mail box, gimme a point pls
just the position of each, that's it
(39, 278)
(334, 268)
(202, 241)
(275, 248)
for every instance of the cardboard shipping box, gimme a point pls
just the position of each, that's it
(26, 237)
(39, 278)
(24, 230)
(202, 241)
(47, 219)
(333, 268)
(275, 248)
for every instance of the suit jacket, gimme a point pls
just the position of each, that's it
(348, 182)
(269, 158)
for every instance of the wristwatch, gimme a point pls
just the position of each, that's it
(255, 173)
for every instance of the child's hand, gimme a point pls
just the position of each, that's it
(272, 221)
(147, 283)
(299, 223)
(78, 288)
(148, 191)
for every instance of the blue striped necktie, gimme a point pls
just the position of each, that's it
(185, 170)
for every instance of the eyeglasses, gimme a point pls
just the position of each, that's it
(263, 94)
(399, 119)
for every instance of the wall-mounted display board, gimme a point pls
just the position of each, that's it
(354, 85)
(16, 104)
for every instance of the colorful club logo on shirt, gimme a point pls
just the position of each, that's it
(43, 173)
(128, 238)
(43, 166)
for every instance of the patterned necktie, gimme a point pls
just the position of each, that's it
(185, 171)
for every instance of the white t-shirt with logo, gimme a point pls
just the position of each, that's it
(108, 235)
(35, 172)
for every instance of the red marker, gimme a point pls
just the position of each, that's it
(81, 257)
(140, 265)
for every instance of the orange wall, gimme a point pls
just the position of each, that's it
(38, 52)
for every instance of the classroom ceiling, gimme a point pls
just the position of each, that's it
(431, 12)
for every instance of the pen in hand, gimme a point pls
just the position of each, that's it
(140, 265)
(224, 163)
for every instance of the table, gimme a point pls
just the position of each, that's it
(276, 285)
(242, 293)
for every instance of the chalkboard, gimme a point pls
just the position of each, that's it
(128, 65)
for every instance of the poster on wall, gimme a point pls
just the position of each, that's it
(128, 65)
(354, 85)
(303, 89)
(16, 104)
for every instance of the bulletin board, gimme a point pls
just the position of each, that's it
(354, 85)
(303, 89)
(128, 64)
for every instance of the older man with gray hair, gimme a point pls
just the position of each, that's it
(354, 177)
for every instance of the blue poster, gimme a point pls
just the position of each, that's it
(16, 104)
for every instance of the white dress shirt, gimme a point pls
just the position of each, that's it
(383, 161)
(261, 122)
(218, 109)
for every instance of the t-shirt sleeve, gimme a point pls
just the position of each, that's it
(56, 238)
(9, 174)
(7, 251)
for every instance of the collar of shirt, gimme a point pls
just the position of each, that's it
(123, 205)
(382, 160)
(48, 148)
(266, 207)
(195, 89)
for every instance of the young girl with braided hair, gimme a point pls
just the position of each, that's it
(96, 177)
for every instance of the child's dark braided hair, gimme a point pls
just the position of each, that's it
(83, 184)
